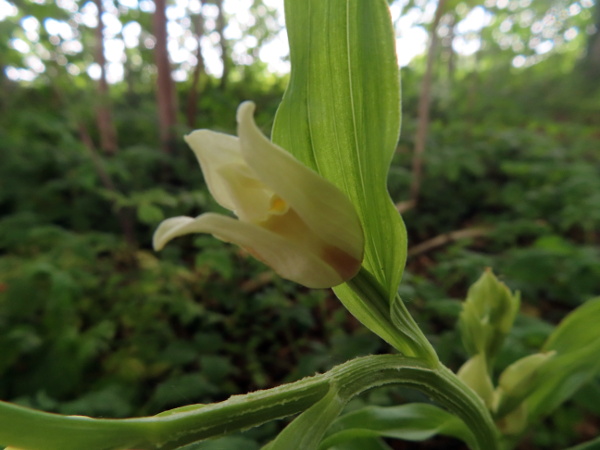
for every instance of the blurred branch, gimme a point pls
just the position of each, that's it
(447, 238)
(402, 207)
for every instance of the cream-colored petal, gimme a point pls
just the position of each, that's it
(308, 263)
(230, 180)
(215, 151)
(320, 204)
(169, 229)
(251, 199)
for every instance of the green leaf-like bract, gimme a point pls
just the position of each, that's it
(340, 115)
(576, 341)
(413, 422)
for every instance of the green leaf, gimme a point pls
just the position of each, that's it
(594, 444)
(361, 442)
(579, 329)
(359, 375)
(576, 341)
(411, 334)
(474, 373)
(226, 443)
(487, 316)
(364, 297)
(518, 380)
(413, 422)
(149, 214)
(340, 114)
(307, 430)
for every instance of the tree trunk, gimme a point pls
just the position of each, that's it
(592, 57)
(450, 49)
(199, 70)
(165, 93)
(106, 127)
(223, 44)
(3, 88)
(423, 111)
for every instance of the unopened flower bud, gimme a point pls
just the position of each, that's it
(487, 316)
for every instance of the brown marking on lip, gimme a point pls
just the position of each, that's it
(344, 264)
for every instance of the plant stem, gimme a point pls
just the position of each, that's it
(173, 429)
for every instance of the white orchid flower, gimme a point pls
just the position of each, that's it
(290, 218)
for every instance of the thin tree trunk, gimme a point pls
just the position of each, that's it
(3, 88)
(199, 70)
(129, 76)
(223, 44)
(123, 215)
(423, 111)
(165, 93)
(451, 54)
(592, 57)
(106, 126)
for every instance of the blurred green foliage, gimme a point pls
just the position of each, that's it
(520, 159)
(92, 325)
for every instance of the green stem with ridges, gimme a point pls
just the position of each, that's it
(36, 430)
